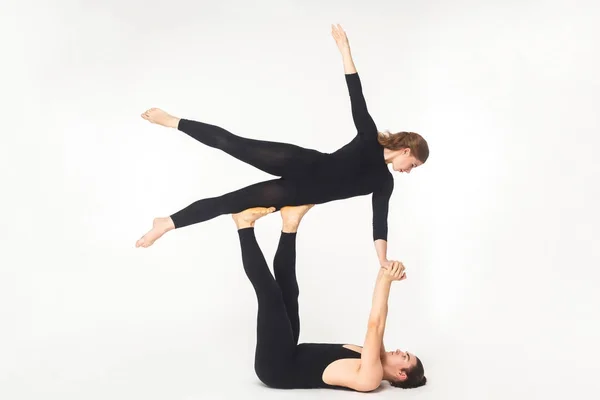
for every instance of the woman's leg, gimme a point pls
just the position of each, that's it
(275, 345)
(284, 265)
(274, 193)
(275, 158)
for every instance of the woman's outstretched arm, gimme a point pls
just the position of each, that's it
(341, 40)
(380, 202)
(362, 119)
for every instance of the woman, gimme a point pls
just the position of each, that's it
(280, 362)
(306, 176)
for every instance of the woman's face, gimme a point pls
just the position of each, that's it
(404, 161)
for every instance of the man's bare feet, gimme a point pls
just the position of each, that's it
(248, 217)
(160, 226)
(292, 215)
(160, 117)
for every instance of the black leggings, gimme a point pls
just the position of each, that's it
(278, 322)
(290, 162)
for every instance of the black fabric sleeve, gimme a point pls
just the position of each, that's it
(362, 120)
(381, 200)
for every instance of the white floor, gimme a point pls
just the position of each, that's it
(168, 363)
(499, 229)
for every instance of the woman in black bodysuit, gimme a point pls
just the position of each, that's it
(306, 176)
(280, 362)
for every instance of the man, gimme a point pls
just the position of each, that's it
(280, 362)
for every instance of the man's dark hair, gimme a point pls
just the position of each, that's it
(415, 377)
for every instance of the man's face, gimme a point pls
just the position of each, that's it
(401, 361)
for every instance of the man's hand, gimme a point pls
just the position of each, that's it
(394, 272)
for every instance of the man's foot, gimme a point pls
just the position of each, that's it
(160, 117)
(292, 216)
(160, 226)
(248, 217)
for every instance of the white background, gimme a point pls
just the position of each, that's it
(499, 229)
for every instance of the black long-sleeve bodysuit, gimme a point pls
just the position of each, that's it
(307, 176)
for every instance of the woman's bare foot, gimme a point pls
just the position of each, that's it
(160, 117)
(247, 218)
(160, 226)
(292, 216)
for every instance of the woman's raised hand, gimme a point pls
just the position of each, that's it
(341, 40)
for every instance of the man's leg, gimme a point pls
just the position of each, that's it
(275, 346)
(284, 265)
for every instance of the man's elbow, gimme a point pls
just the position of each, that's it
(376, 324)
